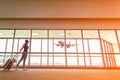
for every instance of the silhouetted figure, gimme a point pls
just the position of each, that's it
(24, 54)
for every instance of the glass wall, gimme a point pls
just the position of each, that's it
(63, 48)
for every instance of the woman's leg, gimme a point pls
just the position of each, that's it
(24, 60)
(20, 60)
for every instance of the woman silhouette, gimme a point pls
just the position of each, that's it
(24, 54)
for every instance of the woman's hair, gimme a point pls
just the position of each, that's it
(26, 41)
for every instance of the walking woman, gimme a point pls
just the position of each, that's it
(24, 54)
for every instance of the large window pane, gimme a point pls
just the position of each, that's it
(73, 33)
(22, 34)
(81, 61)
(117, 59)
(97, 61)
(90, 34)
(72, 61)
(35, 45)
(39, 34)
(9, 45)
(94, 45)
(86, 49)
(44, 60)
(87, 59)
(51, 45)
(80, 45)
(56, 33)
(59, 61)
(1, 58)
(7, 56)
(110, 36)
(51, 59)
(2, 45)
(44, 45)
(16, 43)
(6, 33)
(118, 33)
(35, 59)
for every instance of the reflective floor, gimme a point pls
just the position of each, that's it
(60, 74)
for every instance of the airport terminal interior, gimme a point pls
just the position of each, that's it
(68, 39)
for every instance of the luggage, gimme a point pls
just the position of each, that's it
(9, 64)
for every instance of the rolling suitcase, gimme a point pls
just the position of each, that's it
(10, 63)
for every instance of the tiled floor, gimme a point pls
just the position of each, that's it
(60, 74)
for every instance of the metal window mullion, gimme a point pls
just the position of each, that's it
(89, 52)
(118, 41)
(83, 48)
(48, 48)
(53, 52)
(77, 53)
(65, 49)
(30, 49)
(101, 49)
(5, 50)
(107, 54)
(13, 43)
(41, 52)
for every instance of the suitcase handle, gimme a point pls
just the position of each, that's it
(14, 56)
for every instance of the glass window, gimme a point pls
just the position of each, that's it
(9, 45)
(51, 45)
(62, 47)
(73, 33)
(51, 59)
(2, 45)
(56, 33)
(16, 43)
(1, 58)
(118, 33)
(39, 34)
(96, 61)
(6, 33)
(35, 45)
(117, 59)
(90, 34)
(81, 61)
(44, 59)
(35, 59)
(87, 59)
(44, 45)
(72, 61)
(59, 60)
(110, 37)
(80, 45)
(86, 49)
(22, 34)
(7, 56)
(94, 46)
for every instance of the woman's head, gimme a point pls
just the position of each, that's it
(26, 41)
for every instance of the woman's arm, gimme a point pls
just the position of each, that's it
(21, 48)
